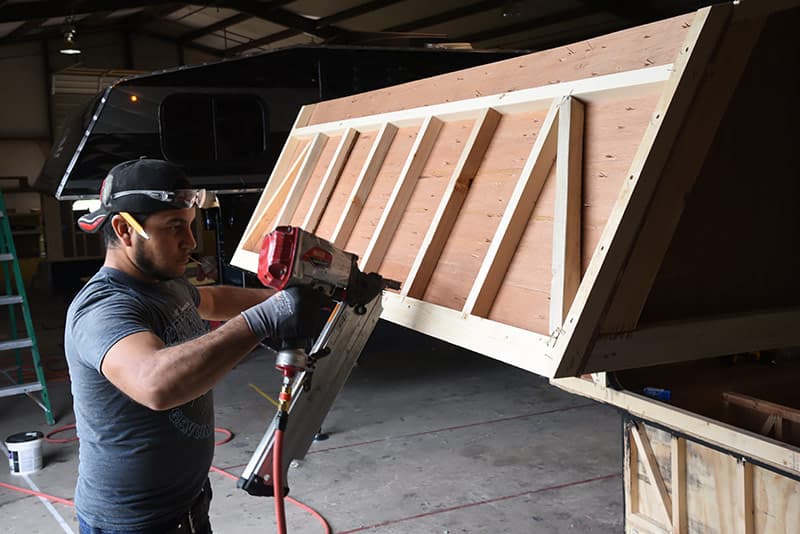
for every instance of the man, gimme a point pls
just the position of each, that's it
(142, 361)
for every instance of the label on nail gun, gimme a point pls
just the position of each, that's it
(321, 264)
(290, 256)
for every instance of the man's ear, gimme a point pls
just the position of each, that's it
(122, 229)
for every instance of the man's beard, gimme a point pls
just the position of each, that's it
(148, 268)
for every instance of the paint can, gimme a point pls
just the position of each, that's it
(25, 452)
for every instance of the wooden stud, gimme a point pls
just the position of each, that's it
(769, 424)
(593, 89)
(651, 467)
(760, 405)
(401, 194)
(282, 165)
(747, 504)
(299, 184)
(449, 207)
(490, 338)
(363, 184)
(329, 180)
(631, 474)
(645, 525)
(270, 208)
(567, 211)
(680, 517)
(684, 341)
(515, 218)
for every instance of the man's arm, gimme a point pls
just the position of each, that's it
(162, 377)
(221, 303)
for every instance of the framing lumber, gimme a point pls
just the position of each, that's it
(392, 213)
(496, 340)
(727, 437)
(680, 520)
(745, 472)
(363, 184)
(515, 218)
(651, 467)
(680, 172)
(590, 90)
(329, 180)
(690, 340)
(567, 212)
(298, 185)
(452, 199)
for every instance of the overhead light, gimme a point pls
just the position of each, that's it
(69, 46)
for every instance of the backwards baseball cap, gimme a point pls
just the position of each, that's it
(142, 186)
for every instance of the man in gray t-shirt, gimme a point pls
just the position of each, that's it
(142, 361)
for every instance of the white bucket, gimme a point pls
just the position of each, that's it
(25, 452)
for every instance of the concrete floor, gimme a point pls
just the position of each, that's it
(425, 438)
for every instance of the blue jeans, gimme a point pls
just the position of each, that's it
(194, 522)
(205, 528)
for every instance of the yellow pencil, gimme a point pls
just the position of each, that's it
(134, 223)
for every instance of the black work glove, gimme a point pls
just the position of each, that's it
(362, 288)
(294, 313)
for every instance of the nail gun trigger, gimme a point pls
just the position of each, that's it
(307, 380)
(321, 353)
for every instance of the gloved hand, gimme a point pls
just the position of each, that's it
(294, 313)
(362, 288)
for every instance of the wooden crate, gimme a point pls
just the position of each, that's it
(675, 484)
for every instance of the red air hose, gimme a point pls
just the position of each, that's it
(277, 482)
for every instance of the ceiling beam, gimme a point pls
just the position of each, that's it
(194, 46)
(211, 28)
(447, 16)
(58, 8)
(271, 12)
(24, 28)
(323, 22)
(531, 24)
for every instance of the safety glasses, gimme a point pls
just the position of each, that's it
(180, 198)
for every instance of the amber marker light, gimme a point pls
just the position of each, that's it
(134, 98)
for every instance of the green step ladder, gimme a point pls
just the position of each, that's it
(14, 295)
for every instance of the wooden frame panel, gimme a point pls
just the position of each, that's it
(618, 277)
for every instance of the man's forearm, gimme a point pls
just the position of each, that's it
(186, 371)
(221, 303)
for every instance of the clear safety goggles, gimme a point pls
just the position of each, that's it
(180, 198)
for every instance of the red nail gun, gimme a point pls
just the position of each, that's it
(290, 257)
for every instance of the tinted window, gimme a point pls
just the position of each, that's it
(224, 128)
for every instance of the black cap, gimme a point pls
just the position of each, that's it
(139, 186)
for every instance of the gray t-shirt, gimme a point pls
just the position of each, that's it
(138, 467)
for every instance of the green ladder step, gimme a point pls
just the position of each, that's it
(20, 389)
(13, 344)
(15, 294)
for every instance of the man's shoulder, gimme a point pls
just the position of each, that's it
(102, 289)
